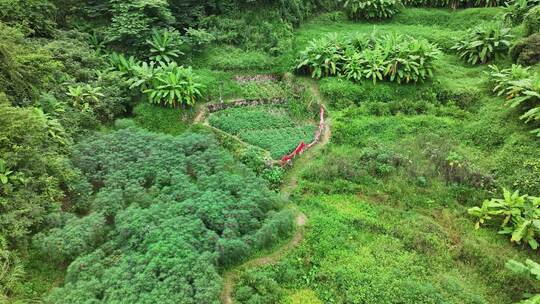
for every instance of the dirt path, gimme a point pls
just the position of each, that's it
(231, 277)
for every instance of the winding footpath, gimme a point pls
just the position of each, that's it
(231, 277)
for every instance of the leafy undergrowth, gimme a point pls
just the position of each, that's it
(358, 250)
(268, 127)
(387, 200)
(168, 213)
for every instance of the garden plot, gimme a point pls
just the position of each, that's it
(269, 127)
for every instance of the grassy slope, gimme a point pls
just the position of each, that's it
(381, 234)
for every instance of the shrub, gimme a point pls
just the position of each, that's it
(532, 21)
(392, 57)
(78, 236)
(521, 89)
(372, 9)
(33, 17)
(322, 57)
(164, 46)
(519, 214)
(484, 43)
(515, 10)
(174, 86)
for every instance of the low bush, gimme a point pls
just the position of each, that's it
(519, 214)
(527, 50)
(532, 21)
(521, 89)
(529, 271)
(484, 43)
(372, 9)
(515, 10)
(390, 57)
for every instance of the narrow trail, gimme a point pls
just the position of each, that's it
(231, 277)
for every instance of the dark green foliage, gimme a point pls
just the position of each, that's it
(33, 17)
(132, 22)
(532, 21)
(372, 9)
(177, 210)
(78, 236)
(527, 50)
(31, 145)
(484, 43)
(24, 69)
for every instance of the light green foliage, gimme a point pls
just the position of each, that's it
(159, 119)
(520, 216)
(532, 21)
(484, 43)
(11, 270)
(390, 57)
(253, 32)
(372, 9)
(164, 46)
(230, 58)
(272, 129)
(165, 83)
(370, 252)
(515, 10)
(177, 209)
(174, 86)
(35, 177)
(521, 89)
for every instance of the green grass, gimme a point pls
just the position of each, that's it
(161, 119)
(387, 199)
(359, 250)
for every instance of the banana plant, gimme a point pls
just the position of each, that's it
(174, 86)
(164, 47)
(124, 65)
(353, 65)
(374, 68)
(520, 215)
(84, 96)
(483, 43)
(143, 75)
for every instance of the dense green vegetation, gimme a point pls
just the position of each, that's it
(119, 185)
(272, 129)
